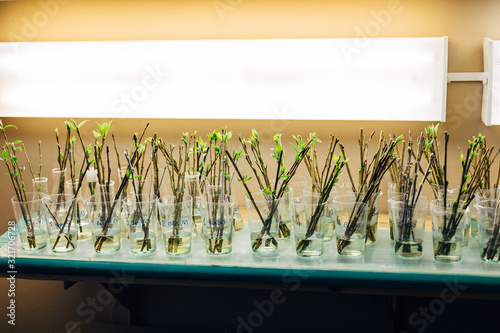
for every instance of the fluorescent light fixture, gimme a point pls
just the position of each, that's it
(348, 79)
(491, 90)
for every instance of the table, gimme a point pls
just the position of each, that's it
(378, 268)
(383, 287)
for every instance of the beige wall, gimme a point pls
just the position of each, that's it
(465, 22)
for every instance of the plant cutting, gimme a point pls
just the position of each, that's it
(321, 181)
(322, 184)
(197, 165)
(470, 181)
(395, 185)
(104, 213)
(409, 209)
(99, 148)
(208, 160)
(397, 177)
(178, 239)
(157, 173)
(75, 183)
(487, 182)
(141, 168)
(29, 207)
(218, 207)
(489, 217)
(63, 227)
(156, 190)
(370, 177)
(63, 155)
(436, 179)
(489, 229)
(205, 158)
(217, 171)
(215, 168)
(144, 212)
(122, 168)
(38, 181)
(487, 190)
(253, 156)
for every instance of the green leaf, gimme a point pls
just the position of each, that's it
(246, 178)
(69, 125)
(212, 136)
(82, 123)
(279, 148)
(5, 154)
(237, 154)
(201, 143)
(142, 149)
(7, 126)
(398, 139)
(314, 138)
(255, 134)
(107, 127)
(17, 142)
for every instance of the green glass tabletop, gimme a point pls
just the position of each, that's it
(378, 268)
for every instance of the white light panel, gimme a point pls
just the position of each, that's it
(379, 79)
(491, 91)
